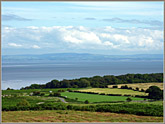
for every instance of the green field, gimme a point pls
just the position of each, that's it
(140, 85)
(33, 100)
(26, 92)
(114, 91)
(96, 98)
(101, 108)
(73, 116)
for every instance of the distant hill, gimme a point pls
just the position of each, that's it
(73, 57)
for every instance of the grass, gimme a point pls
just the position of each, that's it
(96, 98)
(28, 91)
(156, 103)
(73, 116)
(114, 91)
(140, 85)
(12, 101)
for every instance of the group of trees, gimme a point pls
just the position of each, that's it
(154, 92)
(100, 82)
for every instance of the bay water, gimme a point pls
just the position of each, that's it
(17, 75)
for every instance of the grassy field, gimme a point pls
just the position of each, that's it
(12, 101)
(114, 91)
(140, 85)
(73, 116)
(96, 98)
(27, 92)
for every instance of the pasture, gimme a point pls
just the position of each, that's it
(28, 91)
(114, 91)
(33, 100)
(73, 116)
(140, 85)
(96, 98)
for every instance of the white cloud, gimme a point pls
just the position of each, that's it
(14, 45)
(70, 37)
(35, 47)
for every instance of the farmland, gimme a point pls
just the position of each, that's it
(33, 100)
(96, 98)
(140, 85)
(101, 106)
(73, 116)
(27, 92)
(114, 91)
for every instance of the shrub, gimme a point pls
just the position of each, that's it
(69, 90)
(154, 92)
(86, 102)
(42, 94)
(129, 99)
(51, 94)
(142, 90)
(23, 103)
(130, 88)
(57, 94)
(124, 87)
(61, 91)
(126, 95)
(102, 93)
(115, 86)
(36, 93)
(137, 88)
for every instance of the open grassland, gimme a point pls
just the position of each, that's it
(114, 91)
(33, 100)
(140, 85)
(28, 91)
(73, 116)
(96, 98)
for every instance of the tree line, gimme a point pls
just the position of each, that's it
(100, 82)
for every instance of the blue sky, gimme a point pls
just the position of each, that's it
(93, 27)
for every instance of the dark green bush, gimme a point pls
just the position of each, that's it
(57, 94)
(86, 102)
(129, 99)
(36, 93)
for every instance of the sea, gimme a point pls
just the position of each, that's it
(18, 75)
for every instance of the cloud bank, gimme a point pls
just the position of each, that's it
(83, 38)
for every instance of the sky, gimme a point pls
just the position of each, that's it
(111, 28)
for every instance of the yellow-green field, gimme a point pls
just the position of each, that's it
(140, 85)
(114, 91)
(73, 116)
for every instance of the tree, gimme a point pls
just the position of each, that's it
(124, 87)
(57, 94)
(8, 88)
(86, 102)
(137, 88)
(142, 90)
(129, 99)
(154, 92)
(84, 83)
(115, 86)
(76, 99)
